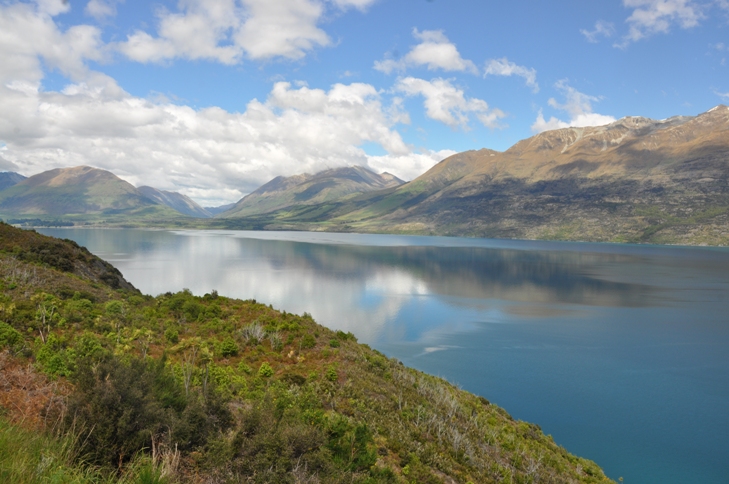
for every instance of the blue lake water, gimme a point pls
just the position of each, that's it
(621, 353)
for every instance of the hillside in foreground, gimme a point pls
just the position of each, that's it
(103, 384)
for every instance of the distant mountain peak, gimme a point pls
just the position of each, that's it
(305, 189)
(177, 201)
(79, 190)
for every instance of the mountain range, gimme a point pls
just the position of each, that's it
(635, 180)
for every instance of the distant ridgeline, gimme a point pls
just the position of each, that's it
(635, 180)
(101, 383)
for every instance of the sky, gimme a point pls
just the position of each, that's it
(213, 98)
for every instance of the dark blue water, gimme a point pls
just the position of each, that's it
(620, 352)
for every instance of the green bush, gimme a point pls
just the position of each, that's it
(9, 337)
(192, 309)
(265, 371)
(308, 341)
(53, 357)
(121, 406)
(228, 348)
(172, 335)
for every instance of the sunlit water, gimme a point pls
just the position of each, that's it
(620, 352)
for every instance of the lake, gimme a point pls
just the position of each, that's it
(620, 352)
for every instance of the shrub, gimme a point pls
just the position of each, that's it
(53, 357)
(9, 337)
(331, 374)
(192, 309)
(172, 335)
(122, 406)
(228, 348)
(265, 371)
(114, 309)
(334, 343)
(308, 341)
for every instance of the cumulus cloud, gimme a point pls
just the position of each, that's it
(210, 154)
(503, 67)
(577, 105)
(30, 39)
(227, 31)
(652, 17)
(53, 7)
(434, 51)
(446, 103)
(101, 9)
(602, 29)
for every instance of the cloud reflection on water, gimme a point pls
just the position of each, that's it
(365, 288)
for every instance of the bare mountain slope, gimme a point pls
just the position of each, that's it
(308, 189)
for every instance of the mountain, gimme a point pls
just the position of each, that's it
(9, 178)
(637, 180)
(183, 388)
(176, 201)
(81, 193)
(329, 185)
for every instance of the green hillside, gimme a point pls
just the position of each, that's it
(80, 194)
(104, 384)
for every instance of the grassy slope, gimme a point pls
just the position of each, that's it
(303, 403)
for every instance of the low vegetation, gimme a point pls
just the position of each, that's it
(100, 383)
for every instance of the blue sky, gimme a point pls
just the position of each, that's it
(213, 98)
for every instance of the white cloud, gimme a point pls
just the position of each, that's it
(434, 51)
(30, 38)
(53, 7)
(579, 107)
(6, 165)
(503, 67)
(602, 29)
(448, 104)
(101, 9)
(723, 95)
(209, 154)
(358, 4)
(652, 17)
(408, 166)
(227, 31)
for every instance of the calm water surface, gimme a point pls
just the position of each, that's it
(620, 352)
